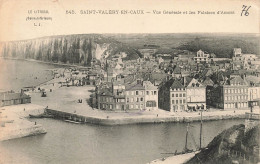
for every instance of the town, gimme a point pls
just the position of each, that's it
(92, 85)
(184, 83)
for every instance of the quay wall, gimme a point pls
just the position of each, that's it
(138, 119)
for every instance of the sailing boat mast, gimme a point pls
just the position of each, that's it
(200, 127)
(187, 131)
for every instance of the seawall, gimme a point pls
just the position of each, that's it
(140, 119)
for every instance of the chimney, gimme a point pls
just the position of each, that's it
(184, 80)
(139, 81)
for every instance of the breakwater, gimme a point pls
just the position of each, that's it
(139, 119)
(14, 123)
(22, 132)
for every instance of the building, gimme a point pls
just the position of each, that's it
(243, 61)
(202, 57)
(119, 95)
(239, 56)
(233, 94)
(196, 95)
(209, 87)
(253, 92)
(148, 51)
(12, 98)
(176, 72)
(164, 94)
(105, 99)
(151, 96)
(135, 96)
(182, 94)
(237, 52)
(178, 97)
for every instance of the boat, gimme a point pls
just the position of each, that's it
(43, 115)
(75, 122)
(186, 150)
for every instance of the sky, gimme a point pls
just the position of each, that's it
(14, 25)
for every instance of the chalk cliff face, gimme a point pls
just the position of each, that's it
(70, 49)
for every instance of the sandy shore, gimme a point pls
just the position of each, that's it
(13, 122)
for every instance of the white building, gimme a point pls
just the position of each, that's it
(253, 93)
(151, 96)
(196, 94)
(178, 100)
(202, 57)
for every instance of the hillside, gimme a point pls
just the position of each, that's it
(230, 145)
(81, 48)
(220, 44)
(222, 47)
(72, 49)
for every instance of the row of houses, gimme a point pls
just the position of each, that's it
(118, 95)
(235, 92)
(183, 94)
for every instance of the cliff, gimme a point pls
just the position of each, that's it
(70, 49)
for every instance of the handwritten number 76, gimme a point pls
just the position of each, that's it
(245, 10)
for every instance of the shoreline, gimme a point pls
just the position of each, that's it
(45, 62)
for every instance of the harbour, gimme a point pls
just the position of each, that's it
(96, 141)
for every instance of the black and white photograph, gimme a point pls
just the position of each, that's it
(133, 82)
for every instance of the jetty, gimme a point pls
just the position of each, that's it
(122, 118)
(63, 104)
(13, 122)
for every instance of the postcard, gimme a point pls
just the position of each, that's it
(133, 81)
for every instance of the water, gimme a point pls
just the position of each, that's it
(16, 74)
(86, 143)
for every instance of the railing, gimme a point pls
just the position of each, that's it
(253, 116)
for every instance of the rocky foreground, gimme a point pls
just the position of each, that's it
(238, 144)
